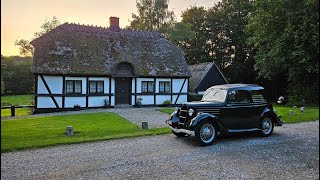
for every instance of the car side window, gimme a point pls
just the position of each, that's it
(257, 97)
(239, 96)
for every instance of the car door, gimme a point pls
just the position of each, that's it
(236, 113)
(258, 104)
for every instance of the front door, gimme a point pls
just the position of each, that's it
(123, 90)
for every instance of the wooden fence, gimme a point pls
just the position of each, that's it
(13, 108)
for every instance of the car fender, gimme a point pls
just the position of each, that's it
(174, 117)
(267, 112)
(203, 117)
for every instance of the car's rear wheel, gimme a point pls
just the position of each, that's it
(206, 133)
(180, 134)
(266, 126)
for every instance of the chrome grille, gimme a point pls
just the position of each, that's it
(183, 114)
(214, 111)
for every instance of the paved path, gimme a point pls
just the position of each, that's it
(292, 152)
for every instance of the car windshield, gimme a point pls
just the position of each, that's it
(218, 95)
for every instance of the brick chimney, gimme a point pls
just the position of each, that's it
(114, 24)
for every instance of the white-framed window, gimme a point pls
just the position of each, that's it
(96, 87)
(73, 86)
(164, 87)
(147, 87)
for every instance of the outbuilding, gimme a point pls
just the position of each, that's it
(205, 75)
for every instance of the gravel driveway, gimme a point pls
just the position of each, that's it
(292, 152)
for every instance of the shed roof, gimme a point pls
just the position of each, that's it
(73, 49)
(205, 75)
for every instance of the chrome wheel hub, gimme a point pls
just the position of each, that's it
(207, 133)
(266, 126)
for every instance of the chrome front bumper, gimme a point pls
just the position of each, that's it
(169, 123)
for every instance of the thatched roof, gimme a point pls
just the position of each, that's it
(205, 75)
(72, 49)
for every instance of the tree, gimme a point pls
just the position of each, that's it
(195, 48)
(153, 15)
(16, 75)
(286, 36)
(180, 34)
(225, 27)
(26, 49)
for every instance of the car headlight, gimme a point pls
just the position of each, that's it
(191, 111)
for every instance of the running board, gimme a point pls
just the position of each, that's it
(243, 130)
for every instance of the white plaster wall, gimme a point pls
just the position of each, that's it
(132, 100)
(47, 102)
(113, 90)
(97, 101)
(54, 83)
(83, 82)
(105, 82)
(133, 85)
(200, 92)
(71, 101)
(157, 83)
(182, 99)
(176, 85)
(147, 99)
(161, 98)
(139, 82)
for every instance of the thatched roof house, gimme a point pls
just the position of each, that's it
(73, 50)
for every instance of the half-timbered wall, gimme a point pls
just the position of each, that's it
(178, 94)
(51, 92)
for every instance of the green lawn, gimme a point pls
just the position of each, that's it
(44, 131)
(16, 100)
(310, 113)
(168, 111)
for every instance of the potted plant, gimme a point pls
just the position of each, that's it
(76, 107)
(139, 102)
(106, 103)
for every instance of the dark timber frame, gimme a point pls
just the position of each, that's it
(180, 90)
(49, 91)
(109, 94)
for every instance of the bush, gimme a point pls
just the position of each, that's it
(167, 103)
(195, 97)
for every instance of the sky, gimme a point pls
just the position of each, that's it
(20, 19)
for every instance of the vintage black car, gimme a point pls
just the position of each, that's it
(225, 109)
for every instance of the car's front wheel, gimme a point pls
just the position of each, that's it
(266, 126)
(206, 133)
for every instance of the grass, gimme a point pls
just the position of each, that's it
(16, 100)
(310, 113)
(45, 131)
(168, 111)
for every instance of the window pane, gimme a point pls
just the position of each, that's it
(69, 87)
(239, 96)
(167, 87)
(92, 87)
(161, 88)
(77, 86)
(150, 87)
(144, 86)
(100, 87)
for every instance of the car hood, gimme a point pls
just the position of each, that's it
(201, 104)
